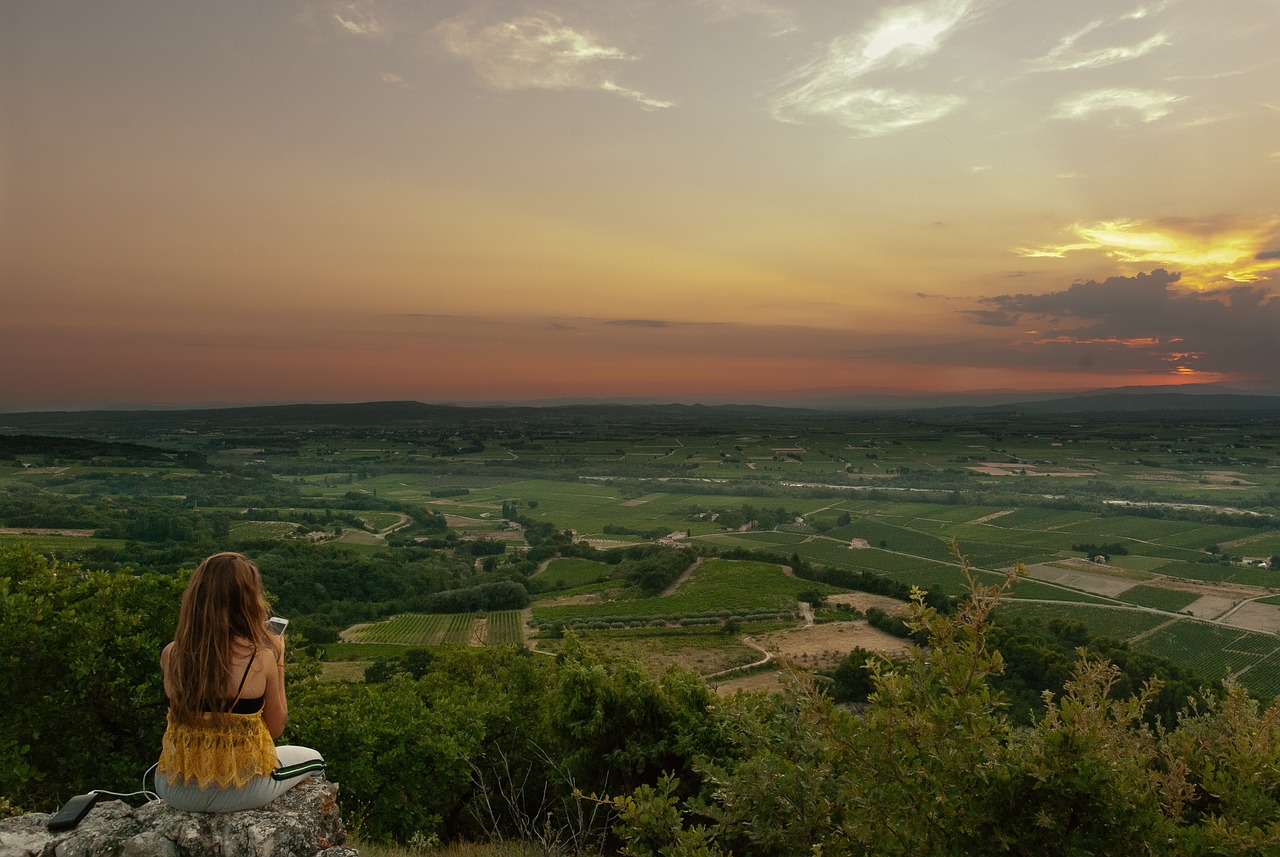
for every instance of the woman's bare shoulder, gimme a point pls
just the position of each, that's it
(274, 647)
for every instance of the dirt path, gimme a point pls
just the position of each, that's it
(403, 522)
(807, 647)
(479, 631)
(753, 644)
(685, 575)
(41, 531)
(1140, 637)
(990, 517)
(526, 616)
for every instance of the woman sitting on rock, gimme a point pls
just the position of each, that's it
(224, 676)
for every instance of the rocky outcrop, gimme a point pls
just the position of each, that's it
(303, 822)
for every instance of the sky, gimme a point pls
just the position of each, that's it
(687, 200)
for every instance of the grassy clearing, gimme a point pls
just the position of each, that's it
(58, 544)
(1118, 622)
(348, 671)
(352, 536)
(703, 650)
(1138, 562)
(1027, 588)
(379, 520)
(262, 529)
(568, 572)
(1211, 572)
(362, 651)
(457, 849)
(1158, 597)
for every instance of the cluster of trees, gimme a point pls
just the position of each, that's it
(50, 451)
(657, 570)
(1039, 659)
(1109, 549)
(732, 517)
(619, 530)
(153, 520)
(24, 506)
(498, 595)
(330, 587)
(161, 524)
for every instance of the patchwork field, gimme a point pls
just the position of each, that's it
(1175, 504)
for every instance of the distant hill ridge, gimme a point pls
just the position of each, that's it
(1117, 402)
(392, 413)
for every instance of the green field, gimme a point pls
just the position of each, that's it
(570, 572)
(262, 529)
(1116, 622)
(504, 628)
(1217, 652)
(417, 629)
(717, 586)
(904, 486)
(1171, 600)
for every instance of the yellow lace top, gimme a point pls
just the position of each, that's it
(224, 749)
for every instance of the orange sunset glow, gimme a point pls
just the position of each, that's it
(711, 200)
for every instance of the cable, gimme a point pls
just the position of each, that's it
(147, 793)
(144, 792)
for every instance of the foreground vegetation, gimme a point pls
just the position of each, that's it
(580, 754)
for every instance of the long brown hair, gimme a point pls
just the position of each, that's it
(222, 606)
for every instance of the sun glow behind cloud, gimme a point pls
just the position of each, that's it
(1208, 255)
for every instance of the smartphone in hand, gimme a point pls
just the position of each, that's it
(276, 625)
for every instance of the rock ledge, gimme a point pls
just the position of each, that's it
(303, 822)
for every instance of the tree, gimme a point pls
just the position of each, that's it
(80, 682)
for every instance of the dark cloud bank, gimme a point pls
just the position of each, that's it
(1143, 322)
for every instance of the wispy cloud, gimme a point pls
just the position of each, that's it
(1209, 253)
(537, 52)
(873, 112)
(644, 100)
(834, 86)
(1102, 43)
(361, 19)
(1149, 104)
(779, 19)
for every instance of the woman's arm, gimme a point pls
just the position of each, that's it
(275, 708)
(164, 670)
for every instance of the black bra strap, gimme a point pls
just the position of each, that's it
(243, 678)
